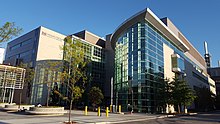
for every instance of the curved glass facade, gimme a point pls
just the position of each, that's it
(139, 65)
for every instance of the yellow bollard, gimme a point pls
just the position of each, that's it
(106, 111)
(86, 112)
(119, 108)
(99, 112)
(111, 108)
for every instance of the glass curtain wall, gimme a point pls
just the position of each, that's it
(139, 67)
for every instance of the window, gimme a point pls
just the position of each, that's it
(15, 46)
(25, 53)
(26, 42)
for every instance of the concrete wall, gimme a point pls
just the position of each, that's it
(212, 82)
(193, 54)
(167, 52)
(2, 55)
(192, 80)
(109, 67)
(50, 43)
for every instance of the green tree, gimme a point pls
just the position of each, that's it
(9, 30)
(75, 71)
(217, 102)
(165, 93)
(182, 94)
(205, 100)
(95, 96)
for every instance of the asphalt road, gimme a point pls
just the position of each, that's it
(201, 118)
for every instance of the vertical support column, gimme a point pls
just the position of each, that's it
(4, 95)
(4, 81)
(12, 90)
(12, 95)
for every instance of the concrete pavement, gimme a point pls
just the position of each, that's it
(92, 118)
(77, 116)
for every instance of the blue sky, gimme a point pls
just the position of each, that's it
(198, 20)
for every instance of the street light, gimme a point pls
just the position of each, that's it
(131, 91)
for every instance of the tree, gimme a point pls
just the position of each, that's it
(75, 70)
(205, 100)
(95, 96)
(181, 94)
(9, 30)
(55, 98)
(217, 102)
(164, 93)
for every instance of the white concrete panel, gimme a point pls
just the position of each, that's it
(50, 43)
(167, 62)
(212, 89)
(2, 55)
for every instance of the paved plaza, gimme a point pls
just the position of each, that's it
(92, 118)
(77, 116)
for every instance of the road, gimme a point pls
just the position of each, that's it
(201, 118)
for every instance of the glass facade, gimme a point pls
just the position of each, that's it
(96, 69)
(96, 72)
(139, 67)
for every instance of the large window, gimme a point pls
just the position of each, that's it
(25, 42)
(139, 66)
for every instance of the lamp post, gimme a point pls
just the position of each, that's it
(132, 98)
(111, 90)
(131, 91)
(116, 101)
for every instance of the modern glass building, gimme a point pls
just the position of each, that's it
(147, 50)
(41, 46)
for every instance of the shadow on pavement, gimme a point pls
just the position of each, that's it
(3, 123)
(202, 119)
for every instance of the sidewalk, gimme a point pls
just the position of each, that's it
(113, 118)
(77, 116)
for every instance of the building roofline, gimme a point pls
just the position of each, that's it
(94, 35)
(74, 36)
(86, 31)
(148, 15)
